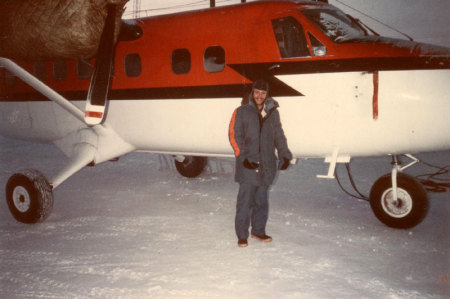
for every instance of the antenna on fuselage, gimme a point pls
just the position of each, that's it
(376, 20)
(136, 9)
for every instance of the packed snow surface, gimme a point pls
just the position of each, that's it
(137, 229)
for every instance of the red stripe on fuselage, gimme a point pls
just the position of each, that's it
(375, 95)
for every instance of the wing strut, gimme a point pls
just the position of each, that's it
(103, 69)
(41, 87)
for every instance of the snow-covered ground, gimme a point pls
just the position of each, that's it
(137, 229)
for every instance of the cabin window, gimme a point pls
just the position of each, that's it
(9, 78)
(133, 66)
(214, 59)
(290, 37)
(60, 70)
(83, 69)
(318, 49)
(181, 61)
(39, 70)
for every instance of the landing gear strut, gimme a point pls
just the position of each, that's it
(397, 199)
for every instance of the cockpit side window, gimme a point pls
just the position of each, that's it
(290, 37)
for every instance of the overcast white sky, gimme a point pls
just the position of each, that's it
(424, 20)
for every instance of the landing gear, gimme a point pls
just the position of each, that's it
(29, 196)
(399, 200)
(190, 166)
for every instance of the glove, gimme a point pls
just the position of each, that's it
(285, 164)
(250, 165)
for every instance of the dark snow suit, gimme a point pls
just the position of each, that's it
(255, 138)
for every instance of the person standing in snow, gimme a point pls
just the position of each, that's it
(255, 132)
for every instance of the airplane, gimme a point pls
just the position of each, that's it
(171, 83)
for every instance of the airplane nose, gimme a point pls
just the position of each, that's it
(427, 49)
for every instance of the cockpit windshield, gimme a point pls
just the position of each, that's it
(335, 24)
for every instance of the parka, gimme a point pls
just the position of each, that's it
(257, 143)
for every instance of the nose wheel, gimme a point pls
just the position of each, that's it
(29, 196)
(403, 204)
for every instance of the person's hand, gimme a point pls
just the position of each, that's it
(250, 165)
(285, 164)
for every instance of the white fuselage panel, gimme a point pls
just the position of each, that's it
(336, 111)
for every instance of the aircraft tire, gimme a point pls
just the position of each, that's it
(191, 166)
(29, 196)
(412, 205)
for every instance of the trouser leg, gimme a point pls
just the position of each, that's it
(260, 211)
(243, 209)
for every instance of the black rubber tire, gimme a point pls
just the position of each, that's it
(411, 208)
(191, 167)
(29, 196)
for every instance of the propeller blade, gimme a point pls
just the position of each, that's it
(103, 69)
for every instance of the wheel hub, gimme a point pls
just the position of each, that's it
(21, 199)
(397, 207)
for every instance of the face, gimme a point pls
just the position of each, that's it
(259, 97)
